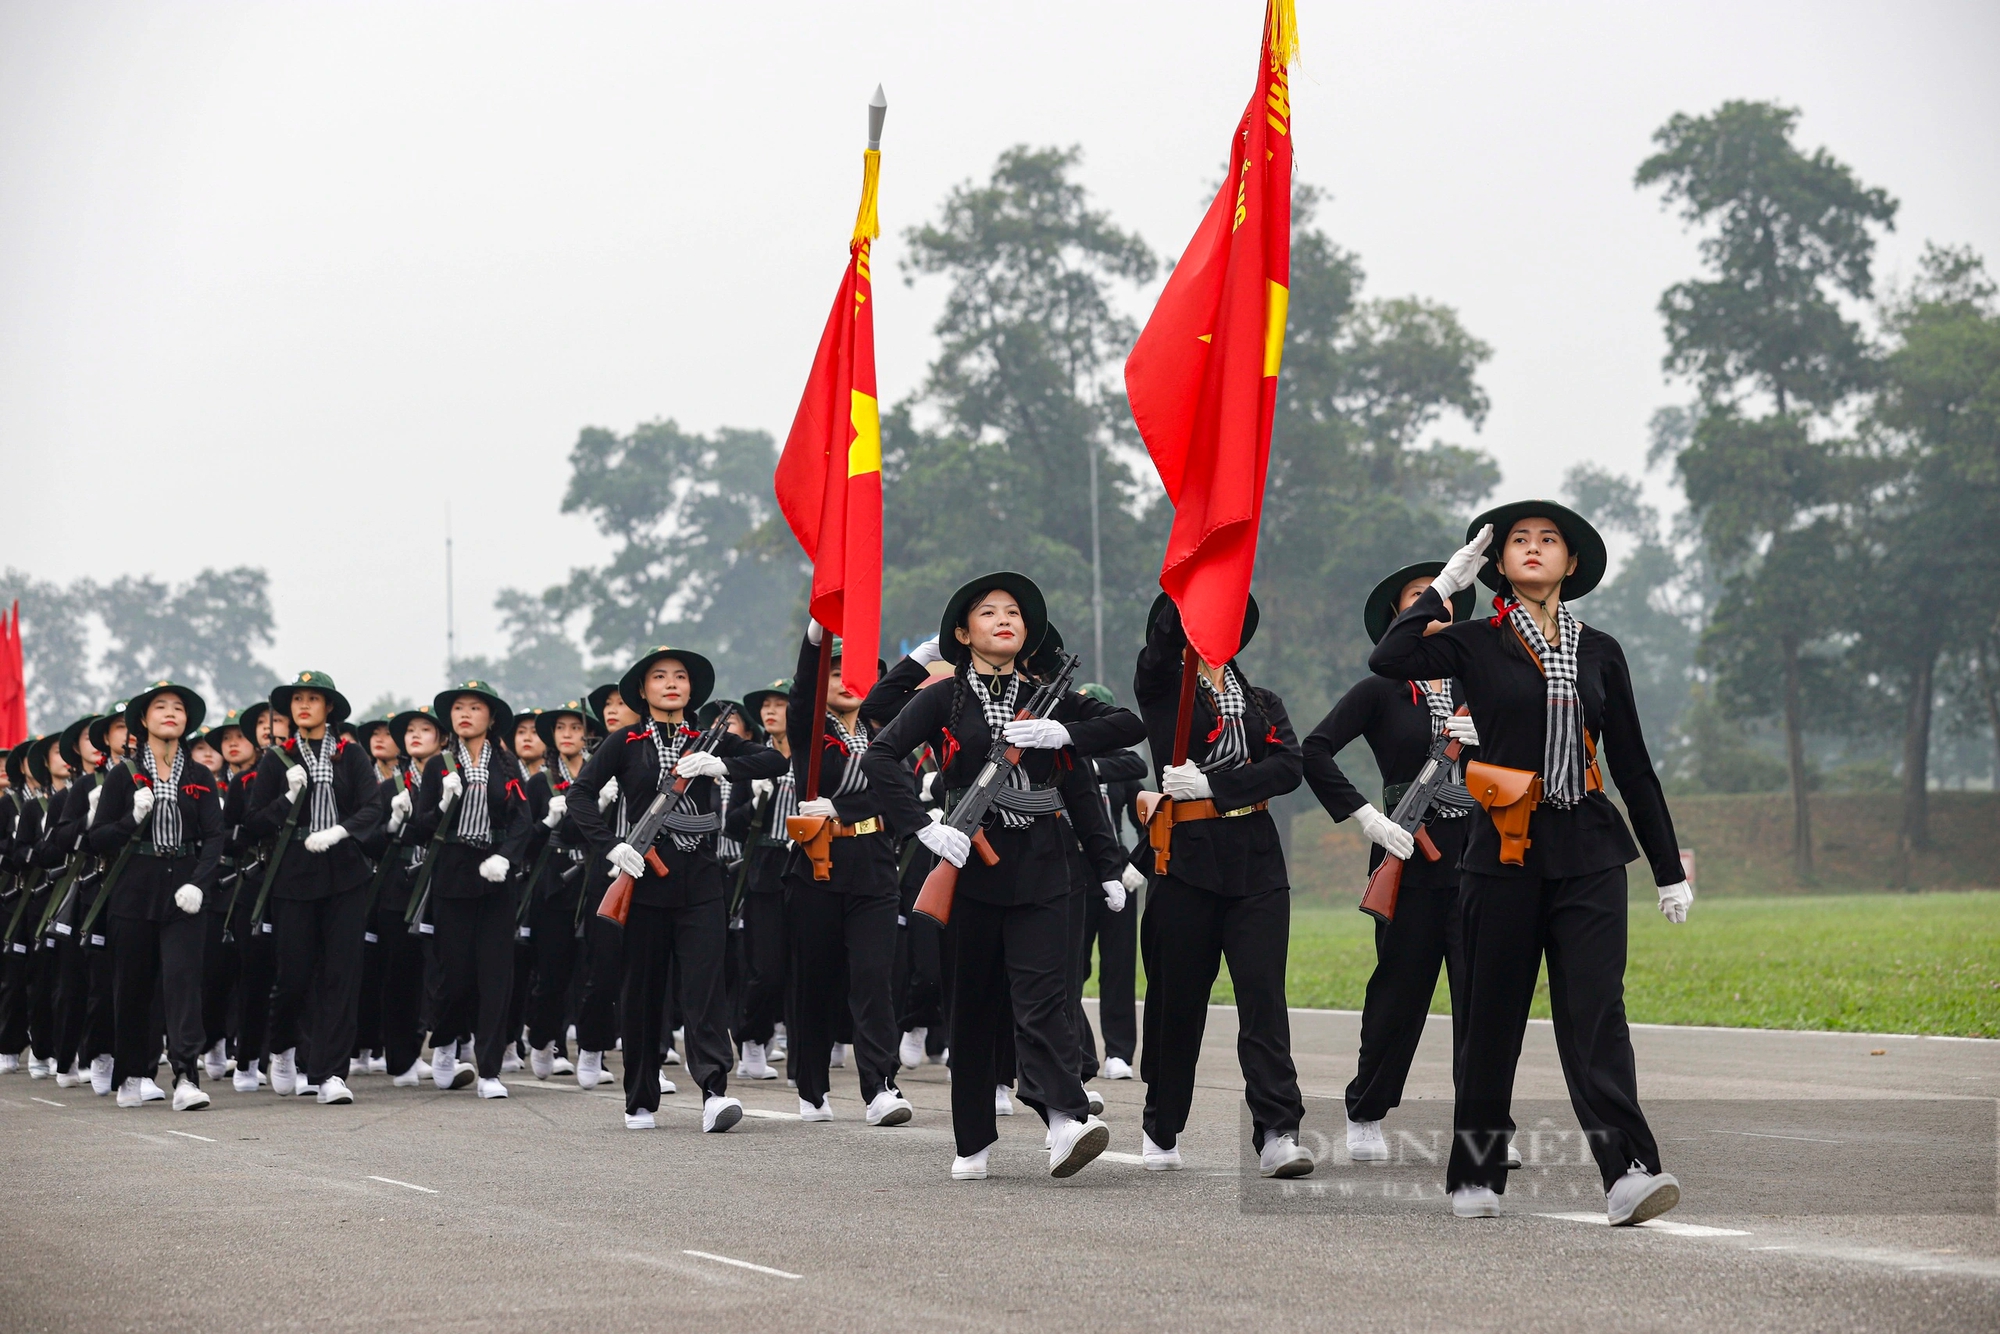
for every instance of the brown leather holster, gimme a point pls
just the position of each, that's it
(1161, 813)
(1509, 797)
(815, 833)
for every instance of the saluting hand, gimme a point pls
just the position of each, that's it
(1463, 567)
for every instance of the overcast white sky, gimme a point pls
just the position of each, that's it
(315, 267)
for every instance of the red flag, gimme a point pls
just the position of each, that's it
(829, 479)
(1203, 377)
(13, 681)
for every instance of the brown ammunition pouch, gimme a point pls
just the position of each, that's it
(1509, 797)
(1161, 813)
(815, 833)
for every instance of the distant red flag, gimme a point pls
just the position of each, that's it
(13, 681)
(829, 479)
(1203, 377)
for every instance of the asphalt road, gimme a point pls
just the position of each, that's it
(1870, 1207)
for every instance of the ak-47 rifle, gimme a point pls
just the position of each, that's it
(941, 885)
(420, 893)
(617, 902)
(1379, 900)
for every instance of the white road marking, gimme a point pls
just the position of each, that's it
(46, 1102)
(1656, 1225)
(1113, 1156)
(741, 1264)
(1802, 1139)
(391, 1181)
(185, 1135)
(764, 1115)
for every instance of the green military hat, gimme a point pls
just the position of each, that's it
(17, 762)
(546, 719)
(1584, 542)
(364, 729)
(503, 716)
(38, 758)
(98, 729)
(533, 715)
(1027, 593)
(753, 702)
(337, 707)
(1380, 607)
(70, 745)
(701, 678)
(399, 726)
(1101, 693)
(191, 700)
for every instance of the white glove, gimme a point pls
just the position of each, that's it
(325, 838)
(403, 803)
(1036, 734)
(1674, 901)
(142, 804)
(1463, 567)
(95, 793)
(1185, 782)
(1114, 895)
(397, 819)
(607, 794)
(814, 633)
(761, 788)
(1133, 879)
(453, 787)
(926, 653)
(1460, 729)
(1385, 833)
(700, 764)
(188, 899)
(494, 869)
(928, 784)
(295, 781)
(558, 807)
(624, 857)
(946, 842)
(818, 808)
(937, 816)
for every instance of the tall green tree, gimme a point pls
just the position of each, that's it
(543, 665)
(55, 647)
(206, 632)
(1762, 334)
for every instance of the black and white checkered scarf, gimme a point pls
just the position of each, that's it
(1228, 746)
(320, 811)
(784, 805)
(1447, 805)
(670, 740)
(166, 797)
(852, 780)
(475, 818)
(999, 710)
(1562, 743)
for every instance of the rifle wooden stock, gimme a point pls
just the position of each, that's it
(616, 905)
(1379, 899)
(941, 885)
(814, 833)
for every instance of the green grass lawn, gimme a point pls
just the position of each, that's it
(1893, 963)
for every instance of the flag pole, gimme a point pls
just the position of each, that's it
(1184, 720)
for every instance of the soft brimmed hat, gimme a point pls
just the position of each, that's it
(38, 758)
(98, 729)
(527, 716)
(17, 761)
(1103, 694)
(368, 726)
(1047, 655)
(503, 716)
(1251, 615)
(337, 708)
(546, 719)
(399, 726)
(1380, 608)
(250, 715)
(135, 712)
(1034, 613)
(1584, 543)
(68, 745)
(596, 700)
(228, 719)
(753, 702)
(701, 678)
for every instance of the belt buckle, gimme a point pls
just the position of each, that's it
(872, 825)
(1240, 810)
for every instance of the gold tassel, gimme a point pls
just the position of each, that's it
(1282, 33)
(866, 225)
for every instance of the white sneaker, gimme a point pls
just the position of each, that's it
(1096, 1101)
(70, 1078)
(1003, 1103)
(39, 1068)
(1117, 1067)
(755, 1063)
(423, 1068)
(823, 1112)
(668, 1085)
(718, 1114)
(247, 1079)
(970, 1169)
(10, 1063)
(837, 1058)
(776, 1052)
(1640, 1195)
(1074, 1143)
(673, 1057)
(357, 1066)
(378, 1063)
(334, 1090)
(129, 1094)
(307, 1089)
(189, 1097)
(444, 1065)
(1365, 1143)
(1282, 1157)
(889, 1108)
(511, 1062)
(1513, 1155)
(639, 1120)
(150, 1091)
(100, 1075)
(285, 1072)
(409, 1079)
(563, 1067)
(1475, 1202)
(589, 1069)
(911, 1050)
(492, 1088)
(542, 1061)
(1156, 1159)
(215, 1061)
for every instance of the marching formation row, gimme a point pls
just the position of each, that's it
(282, 895)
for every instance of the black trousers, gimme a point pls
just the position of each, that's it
(317, 943)
(257, 976)
(399, 979)
(689, 940)
(1408, 952)
(1188, 932)
(14, 971)
(220, 963)
(831, 928)
(526, 956)
(551, 919)
(475, 951)
(1116, 936)
(165, 957)
(603, 963)
(767, 963)
(1578, 923)
(368, 996)
(1011, 972)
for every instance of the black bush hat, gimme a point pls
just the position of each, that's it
(503, 716)
(250, 715)
(701, 678)
(1251, 616)
(17, 762)
(1380, 608)
(337, 707)
(71, 751)
(596, 700)
(1583, 540)
(546, 719)
(38, 758)
(1047, 655)
(1034, 611)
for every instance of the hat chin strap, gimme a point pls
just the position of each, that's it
(999, 669)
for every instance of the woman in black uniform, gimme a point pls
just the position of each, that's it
(759, 826)
(1544, 688)
(552, 910)
(159, 820)
(1010, 922)
(1399, 720)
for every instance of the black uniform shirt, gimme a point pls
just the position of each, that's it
(145, 888)
(1399, 733)
(305, 875)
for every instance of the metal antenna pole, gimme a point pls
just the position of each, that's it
(450, 621)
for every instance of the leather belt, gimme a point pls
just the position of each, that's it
(1187, 811)
(872, 825)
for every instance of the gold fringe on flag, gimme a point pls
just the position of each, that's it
(1282, 33)
(866, 225)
